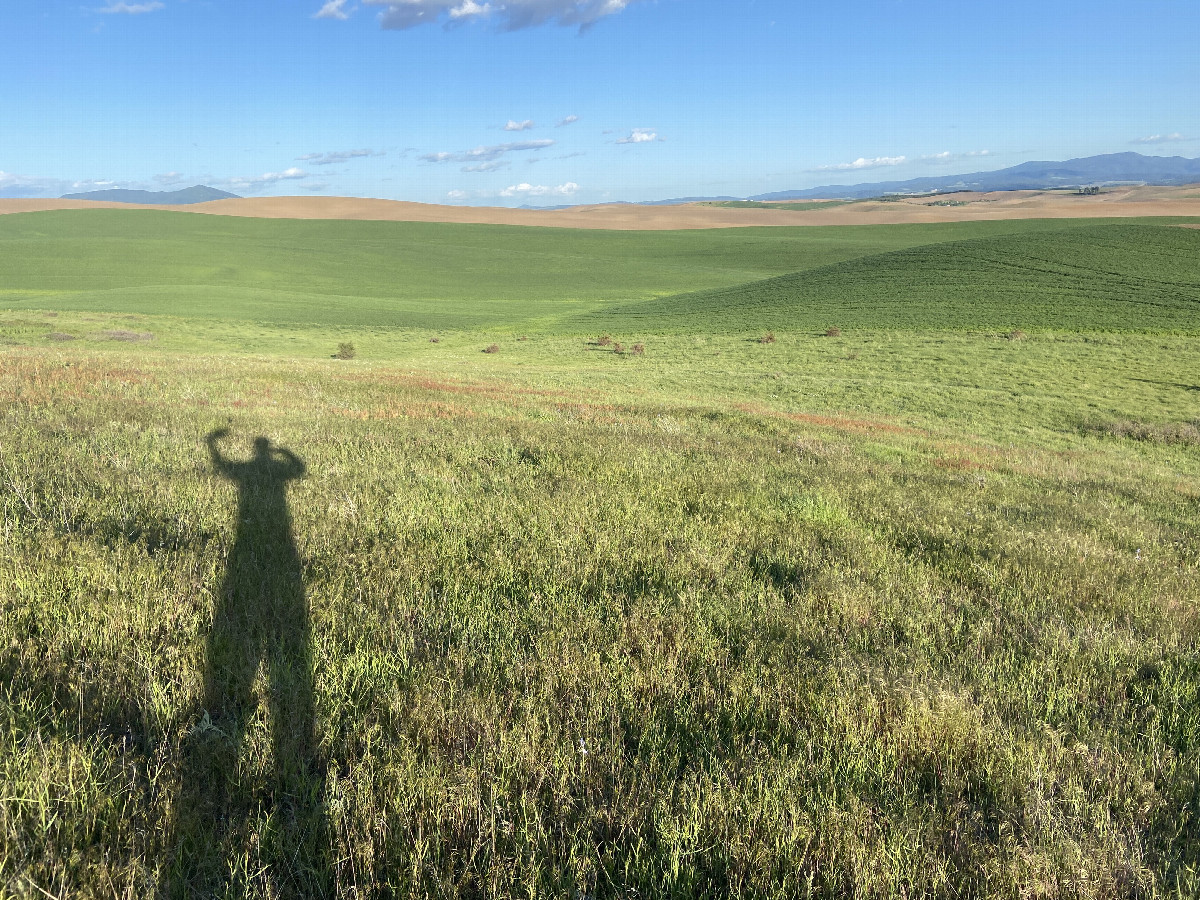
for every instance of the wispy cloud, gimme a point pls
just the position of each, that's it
(640, 136)
(1173, 138)
(514, 125)
(249, 184)
(487, 154)
(492, 166)
(864, 163)
(457, 195)
(169, 178)
(510, 15)
(334, 9)
(336, 156)
(540, 190)
(569, 120)
(13, 185)
(131, 9)
(947, 157)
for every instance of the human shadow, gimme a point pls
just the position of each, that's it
(240, 825)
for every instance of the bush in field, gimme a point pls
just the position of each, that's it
(604, 340)
(492, 348)
(345, 351)
(435, 340)
(1017, 335)
(638, 349)
(618, 347)
(768, 338)
(833, 332)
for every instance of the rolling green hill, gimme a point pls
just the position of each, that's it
(1108, 278)
(423, 275)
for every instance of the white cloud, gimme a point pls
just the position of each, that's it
(1172, 138)
(511, 14)
(132, 9)
(457, 195)
(540, 190)
(639, 136)
(486, 166)
(864, 163)
(334, 9)
(169, 178)
(486, 154)
(252, 183)
(469, 9)
(518, 126)
(336, 156)
(947, 157)
(13, 185)
(569, 120)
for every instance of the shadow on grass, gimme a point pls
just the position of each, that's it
(242, 825)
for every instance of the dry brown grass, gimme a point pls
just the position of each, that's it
(1184, 433)
(1130, 202)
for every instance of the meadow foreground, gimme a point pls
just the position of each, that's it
(813, 595)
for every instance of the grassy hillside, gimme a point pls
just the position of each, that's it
(1115, 277)
(910, 611)
(398, 274)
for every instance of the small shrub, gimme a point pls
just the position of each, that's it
(1017, 335)
(833, 332)
(618, 347)
(345, 351)
(768, 338)
(435, 340)
(853, 354)
(604, 340)
(638, 349)
(523, 337)
(492, 348)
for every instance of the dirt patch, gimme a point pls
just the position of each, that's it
(120, 334)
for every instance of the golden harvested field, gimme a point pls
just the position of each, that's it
(1116, 203)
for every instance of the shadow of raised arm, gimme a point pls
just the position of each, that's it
(298, 469)
(219, 462)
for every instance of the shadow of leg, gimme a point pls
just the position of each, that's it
(240, 826)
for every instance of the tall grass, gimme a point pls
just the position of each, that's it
(561, 646)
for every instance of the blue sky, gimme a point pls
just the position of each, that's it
(512, 102)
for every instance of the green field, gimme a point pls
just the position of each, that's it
(908, 609)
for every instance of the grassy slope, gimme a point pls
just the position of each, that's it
(1110, 278)
(902, 612)
(396, 274)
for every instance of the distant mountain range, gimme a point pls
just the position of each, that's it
(200, 193)
(1109, 168)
